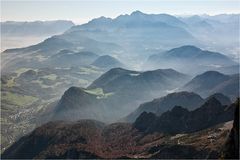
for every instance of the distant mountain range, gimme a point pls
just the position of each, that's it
(35, 28)
(131, 39)
(120, 37)
(189, 59)
(207, 28)
(21, 34)
(129, 31)
(94, 139)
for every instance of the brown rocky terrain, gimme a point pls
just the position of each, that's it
(94, 139)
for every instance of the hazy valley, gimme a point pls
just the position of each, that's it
(135, 86)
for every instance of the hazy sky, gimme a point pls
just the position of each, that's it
(84, 10)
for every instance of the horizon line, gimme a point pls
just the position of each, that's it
(78, 22)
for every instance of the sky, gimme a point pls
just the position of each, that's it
(81, 11)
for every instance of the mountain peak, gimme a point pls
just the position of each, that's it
(212, 105)
(74, 92)
(118, 70)
(211, 82)
(143, 121)
(107, 61)
(137, 13)
(187, 51)
(77, 103)
(179, 110)
(186, 48)
(212, 73)
(212, 101)
(221, 98)
(101, 19)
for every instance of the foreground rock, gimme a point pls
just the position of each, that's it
(231, 148)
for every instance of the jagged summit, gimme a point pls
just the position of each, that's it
(180, 120)
(221, 98)
(179, 110)
(137, 13)
(189, 100)
(212, 104)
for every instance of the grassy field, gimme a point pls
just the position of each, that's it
(21, 70)
(83, 81)
(99, 93)
(11, 83)
(40, 58)
(16, 99)
(52, 77)
(88, 70)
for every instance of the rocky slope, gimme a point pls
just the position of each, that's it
(93, 139)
